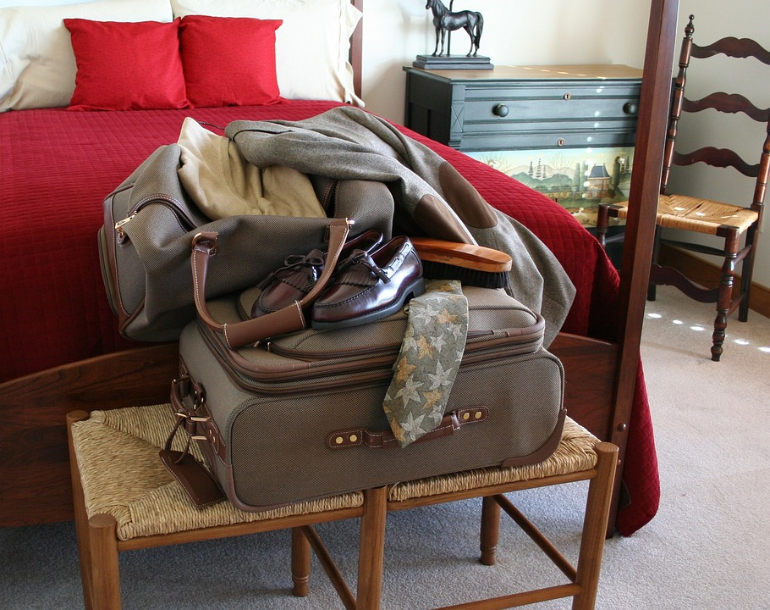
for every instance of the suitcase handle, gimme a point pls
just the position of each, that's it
(361, 437)
(286, 320)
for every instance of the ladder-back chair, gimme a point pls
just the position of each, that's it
(736, 225)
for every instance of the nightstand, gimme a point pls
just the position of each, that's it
(567, 131)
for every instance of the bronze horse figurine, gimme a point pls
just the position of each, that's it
(446, 21)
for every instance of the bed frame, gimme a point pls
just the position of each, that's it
(601, 376)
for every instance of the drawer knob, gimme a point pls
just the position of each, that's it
(500, 110)
(567, 96)
(560, 142)
(630, 108)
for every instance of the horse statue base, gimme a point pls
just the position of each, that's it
(452, 62)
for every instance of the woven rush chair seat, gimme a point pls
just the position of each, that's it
(696, 214)
(125, 499)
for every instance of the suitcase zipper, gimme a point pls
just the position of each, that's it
(365, 372)
(388, 349)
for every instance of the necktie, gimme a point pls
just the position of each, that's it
(428, 361)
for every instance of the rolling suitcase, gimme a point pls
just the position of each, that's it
(300, 415)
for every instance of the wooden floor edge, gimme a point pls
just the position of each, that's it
(706, 273)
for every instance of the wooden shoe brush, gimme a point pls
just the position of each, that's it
(470, 264)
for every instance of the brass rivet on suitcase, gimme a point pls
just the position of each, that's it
(466, 416)
(477, 415)
(339, 440)
(353, 438)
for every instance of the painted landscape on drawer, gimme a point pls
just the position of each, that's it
(577, 179)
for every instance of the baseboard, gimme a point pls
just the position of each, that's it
(707, 274)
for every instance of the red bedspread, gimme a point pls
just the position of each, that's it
(57, 166)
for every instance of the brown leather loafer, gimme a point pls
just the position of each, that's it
(300, 273)
(370, 286)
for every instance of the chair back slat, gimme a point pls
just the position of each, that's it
(739, 48)
(731, 103)
(717, 157)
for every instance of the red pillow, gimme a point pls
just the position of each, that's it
(126, 66)
(229, 61)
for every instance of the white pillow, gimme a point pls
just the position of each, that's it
(312, 46)
(37, 64)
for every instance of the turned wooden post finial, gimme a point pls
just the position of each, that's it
(690, 28)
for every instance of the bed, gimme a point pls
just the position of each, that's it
(60, 344)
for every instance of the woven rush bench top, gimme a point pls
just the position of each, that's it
(122, 475)
(575, 453)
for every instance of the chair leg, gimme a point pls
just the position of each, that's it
(300, 562)
(105, 570)
(490, 530)
(371, 553)
(602, 224)
(725, 295)
(595, 527)
(747, 271)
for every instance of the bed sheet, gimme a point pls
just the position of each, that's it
(56, 167)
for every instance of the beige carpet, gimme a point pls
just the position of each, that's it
(707, 549)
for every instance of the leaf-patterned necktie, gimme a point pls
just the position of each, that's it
(428, 361)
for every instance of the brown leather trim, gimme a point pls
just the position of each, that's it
(545, 451)
(289, 319)
(361, 437)
(197, 482)
(199, 424)
(465, 200)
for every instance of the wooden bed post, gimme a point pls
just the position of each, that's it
(643, 202)
(356, 50)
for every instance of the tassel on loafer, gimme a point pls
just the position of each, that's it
(369, 286)
(299, 274)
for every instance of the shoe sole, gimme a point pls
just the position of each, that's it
(415, 289)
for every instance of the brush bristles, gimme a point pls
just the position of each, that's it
(466, 276)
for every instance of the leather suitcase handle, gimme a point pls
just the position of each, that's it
(286, 320)
(361, 437)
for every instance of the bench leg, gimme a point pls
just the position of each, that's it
(595, 527)
(490, 530)
(371, 553)
(81, 516)
(105, 570)
(300, 562)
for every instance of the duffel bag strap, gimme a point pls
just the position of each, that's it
(286, 320)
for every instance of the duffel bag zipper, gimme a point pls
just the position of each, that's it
(177, 207)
